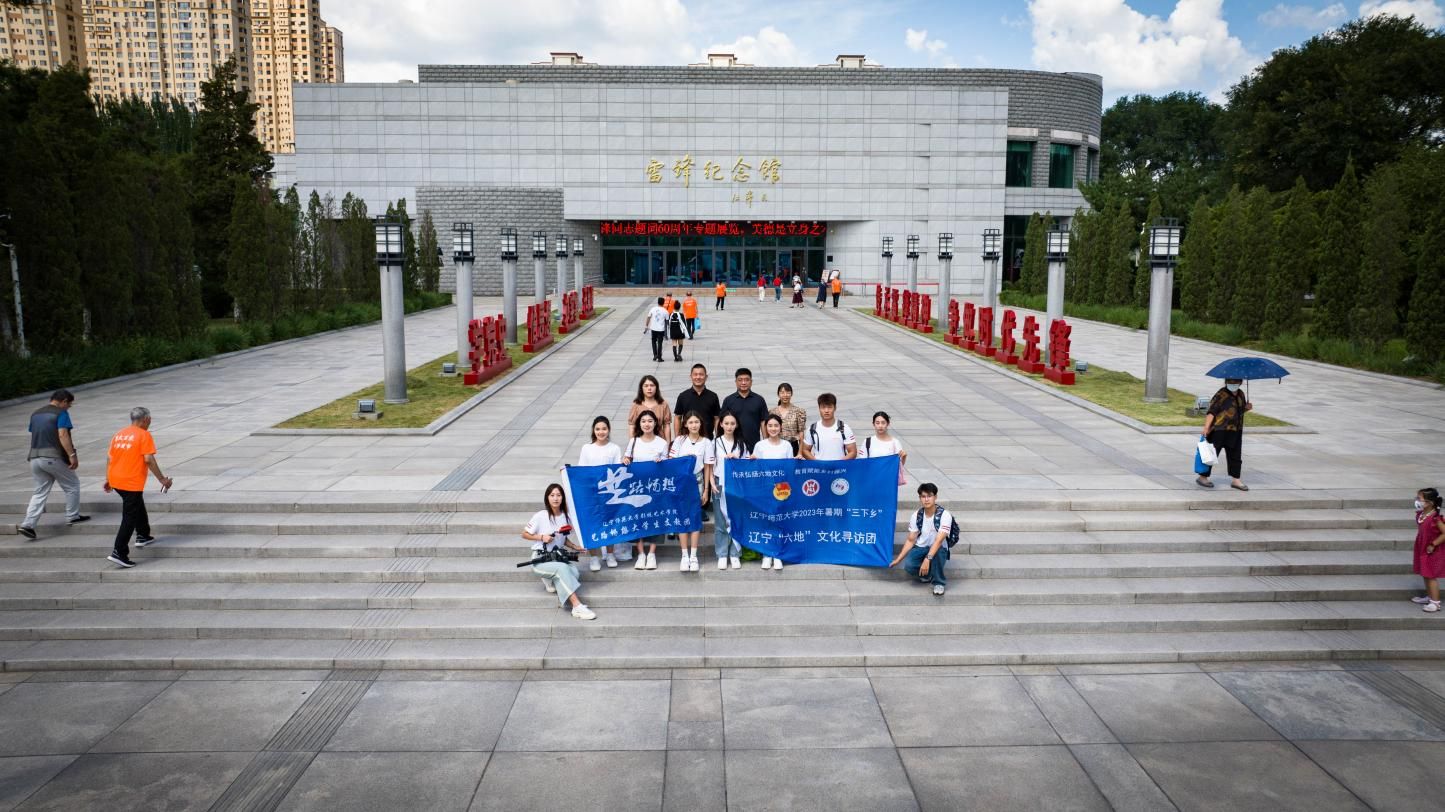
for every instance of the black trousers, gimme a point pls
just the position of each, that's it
(835, 299)
(133, 519)
(1229, 444)
(720, 303)
(657, 336)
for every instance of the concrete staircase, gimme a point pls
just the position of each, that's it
(368, 581)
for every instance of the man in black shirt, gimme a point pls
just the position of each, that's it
(698, 399)
(751, 408)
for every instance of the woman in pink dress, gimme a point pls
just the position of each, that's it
(1429, 547)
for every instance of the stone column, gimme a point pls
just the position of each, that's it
(464, 312)
(1161, 298)
(913, 272)
(888, 270)
(1055, 301)
(578, 275)
(539, 272)
(509, 297)
(561, 279)
(990, 282)
(393, 334)
(945, 286)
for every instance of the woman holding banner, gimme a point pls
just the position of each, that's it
(549, 531)
(698, 447)
(601, 452)
(774, 447)
(646, 446)
(726, 446)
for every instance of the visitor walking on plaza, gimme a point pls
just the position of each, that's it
(649, 398)
(602, 452)
(795, 418)
(750, 407)
(762, 288)
(132, 455)
(797, 293)
(646, 446)
(883, 444)
(725, 446)
(697, 398)
(693, 444)
(925, 553)
(828, 438)
(1429, 539)
(777, 287)
(655, 322)
(836, 283)
(1224, 429)
(53, 461)
(679, 329)
(720, 296)
(773, 447)
(689, 312)
(549, 530)
(822, 299)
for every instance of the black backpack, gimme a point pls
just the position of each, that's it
(937, 523)
(813, 432)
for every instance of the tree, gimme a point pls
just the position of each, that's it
(1339, 259)
(1382, 261)
(1099, 258)
(226, 150)
(1031, 276)
(1296, 239)
(1423, 336)
(248, 269)
(359, 273)
(283, 224)
(429, 262)
(1196, 262)
(1081, 247)
(1228, 226)
(1167, 146)
(1252, 280)
(1361, 93)
(1119, 286)
(1143, 276)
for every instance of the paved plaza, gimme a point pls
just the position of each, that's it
(336, 621)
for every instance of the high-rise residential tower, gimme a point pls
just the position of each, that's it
(44, 35)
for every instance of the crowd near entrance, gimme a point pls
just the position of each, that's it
(648, 253)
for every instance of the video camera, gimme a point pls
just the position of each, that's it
(561, 555)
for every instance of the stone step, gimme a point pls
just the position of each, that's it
(428, 569)
(719, 590)
(721, 652)
(503, 523)
(283, 502)
(82, 544)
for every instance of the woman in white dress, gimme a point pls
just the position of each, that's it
(725, 446)
(647, 446)
(549, 529)
(601, 452)
(693, 444)
(773, 447)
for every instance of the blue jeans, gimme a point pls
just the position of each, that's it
(914, 561)
(722, 541)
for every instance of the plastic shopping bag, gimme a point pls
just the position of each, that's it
(1204, 457)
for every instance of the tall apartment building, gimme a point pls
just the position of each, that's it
(333, 59)
(288, 46)
(44, 35)
(163, 48)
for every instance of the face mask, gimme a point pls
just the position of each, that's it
(1419, 505)
(1232, 387)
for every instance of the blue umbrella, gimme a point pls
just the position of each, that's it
(1247, 369)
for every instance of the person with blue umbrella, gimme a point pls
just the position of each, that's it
(1224, 423)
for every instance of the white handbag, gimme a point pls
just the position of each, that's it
(1207, 454)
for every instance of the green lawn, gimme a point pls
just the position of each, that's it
(1116, 391)
(431, 395)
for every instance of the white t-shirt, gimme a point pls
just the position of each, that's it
(593, 454)
(646, 451)
(926, 534)
(721, 448)
(701, 450)
(827, 442)
(546, 524)
(765, 450)
(879, 448)
(657, 318)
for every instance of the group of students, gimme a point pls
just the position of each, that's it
(740, 426)
(831, 283)
(675, 318)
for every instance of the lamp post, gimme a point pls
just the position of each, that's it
(23, 350)
(945, 274)
(539, 266)
(1058, 254)
(389, 260)
(913, 262)
(992, 253)
(577, 271)
(1163, 254)
(887, 262)
(464, 258)
(561, 268)
(509, 282)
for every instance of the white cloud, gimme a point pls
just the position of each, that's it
(1426, 12)
(1137, 52)
(1308, 17)
(771, 48)
(919, 41)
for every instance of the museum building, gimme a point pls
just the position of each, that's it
(682, 176)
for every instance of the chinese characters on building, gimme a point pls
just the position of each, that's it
(767, 169)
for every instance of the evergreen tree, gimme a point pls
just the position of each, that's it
(176, 257)
(226, 149)
(1339, 260)
(411, 271)
(1142, 274)
(300, 294)
(116, 213)
(248, 269)
(1228, 226)
(359, 252)
(1122, 234)
(1031, 275)
(1252, 282)
(427, 258)
(1296, 237)
(1081, 243)
(1099, 258)
(1423, 336)
(1382, 261)
(1195, 271)
(283, 224)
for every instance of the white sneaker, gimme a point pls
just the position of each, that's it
(581, 612)
(685, 564)
(596, 565)
(611, 561)
(1432, 606)
(736, 562)
(641, 563)
(1422, 600)
(652, 561)
(547, 582)
(767, 563)
(722, 563)
(777, 563)
(692, 563)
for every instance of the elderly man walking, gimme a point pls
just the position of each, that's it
(53, 461)
(132, 454)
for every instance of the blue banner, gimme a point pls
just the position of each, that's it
(811, 512)
(612, 504)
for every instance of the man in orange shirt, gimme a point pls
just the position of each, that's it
(669, 303)
(837, 285)
(689, 312)
(132, 454)
(721, 294)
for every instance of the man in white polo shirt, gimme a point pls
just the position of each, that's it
(656, 322)
(828, 438)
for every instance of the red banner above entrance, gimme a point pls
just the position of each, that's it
(712, 228)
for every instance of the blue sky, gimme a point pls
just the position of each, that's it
(1138, 46)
